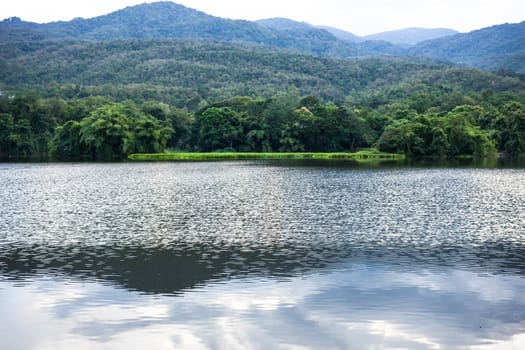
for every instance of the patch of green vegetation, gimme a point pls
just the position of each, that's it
(194, 156)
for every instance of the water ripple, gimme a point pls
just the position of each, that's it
(147, 226)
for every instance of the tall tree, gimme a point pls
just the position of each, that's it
(65, 144)
(219, 128)
(513, 133)
(104, 132)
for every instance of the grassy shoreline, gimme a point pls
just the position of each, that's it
(192, 156)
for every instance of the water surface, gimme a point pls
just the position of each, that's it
(261, 255)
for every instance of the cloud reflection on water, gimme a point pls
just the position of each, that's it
(353, 307)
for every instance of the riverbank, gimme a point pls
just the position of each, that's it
(192, 156)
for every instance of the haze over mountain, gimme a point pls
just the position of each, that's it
(307, 33)
(403, 37)
(342, 34)
(285, 24)
(411, 36)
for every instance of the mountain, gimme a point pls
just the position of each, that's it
(492, 48)
(285, 24)
(154, 20)
(411, 36)
(380, 48)
(312, 39)
(215, 70)
(342, 34)
(184, 72)
(165, 20)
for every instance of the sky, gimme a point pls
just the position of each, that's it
(361, 17)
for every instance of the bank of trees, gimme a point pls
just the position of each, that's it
(92, 128)
(421, 125)
(289, 124)
(109, 132)
(285, 123)
(453, 134)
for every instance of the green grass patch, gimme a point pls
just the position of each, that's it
(194, 156)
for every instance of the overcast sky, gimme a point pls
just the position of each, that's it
(357, 16)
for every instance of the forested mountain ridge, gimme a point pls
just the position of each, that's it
(493, 48)
(183, 73)
(342, 34)
(156, 20)
(304, 32)
(167, 20)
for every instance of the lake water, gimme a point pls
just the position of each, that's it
(261, 255)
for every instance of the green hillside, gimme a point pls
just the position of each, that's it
(493, 48)
(167, 20)
(184, 73)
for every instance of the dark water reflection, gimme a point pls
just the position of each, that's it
(261, 254)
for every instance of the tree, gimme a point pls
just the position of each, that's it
(353, 131)
(158, 110)
(65, 144)
(513, 133)
(297, 131)
(219, 128)
(18, 138)
(257, 141)
(104, 132)
(181, 122)
(439, 147)
(404, 136)
(465, 138)
(277, 114)
(6, 128)
(147, 135)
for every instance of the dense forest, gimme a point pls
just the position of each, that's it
(190, 74)
(422, 125)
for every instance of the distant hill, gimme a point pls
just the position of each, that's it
(310, 38)
(411, 36)
(342, 34)
(380, 48)
(303, 31)
(492, 48)
(284, 24)
(166, 20)
(154, 20)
